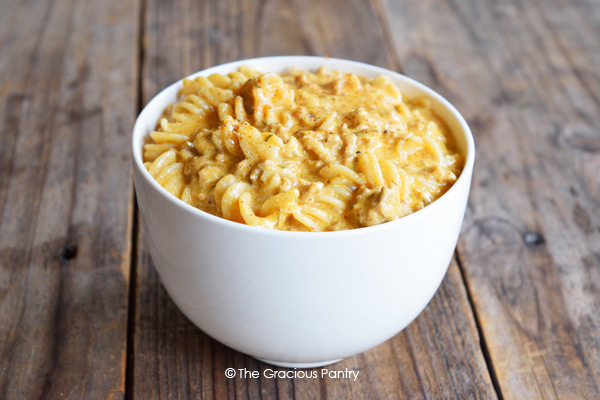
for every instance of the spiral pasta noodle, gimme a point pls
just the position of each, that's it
(301, 151)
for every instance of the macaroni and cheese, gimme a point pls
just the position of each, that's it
(302, 151)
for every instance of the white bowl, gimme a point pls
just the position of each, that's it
(300, 299)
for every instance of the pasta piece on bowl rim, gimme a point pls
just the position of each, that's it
(300, 299)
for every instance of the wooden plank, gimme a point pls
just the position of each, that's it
(438, 356)
(527, 76)
(67, 99)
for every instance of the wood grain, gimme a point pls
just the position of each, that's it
(438, 356)
(527, 76)
(67, 98)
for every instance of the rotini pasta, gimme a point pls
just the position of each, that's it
(302, 151)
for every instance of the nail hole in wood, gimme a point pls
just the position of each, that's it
(533, 239)
(69, 252)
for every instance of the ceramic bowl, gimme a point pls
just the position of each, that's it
(300, 299)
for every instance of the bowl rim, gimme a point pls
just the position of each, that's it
(463, 179)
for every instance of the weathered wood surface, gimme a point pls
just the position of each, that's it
(438, 356)
(525, 74)
(67, 102)
(527, 77)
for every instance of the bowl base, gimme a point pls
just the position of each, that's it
(300, 365)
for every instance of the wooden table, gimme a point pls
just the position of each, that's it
(83, 314)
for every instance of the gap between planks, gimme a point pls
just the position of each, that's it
(135, 232)
(482, 342)
(131, 308)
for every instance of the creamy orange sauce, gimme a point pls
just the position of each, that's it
(302, 151)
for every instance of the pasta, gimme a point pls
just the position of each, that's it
(302, 151)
